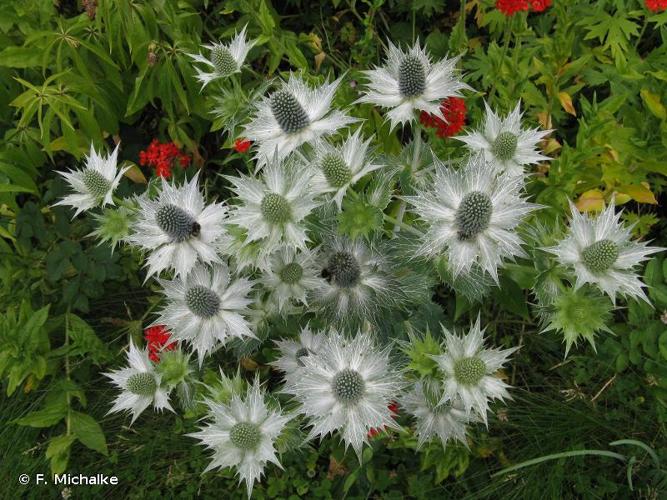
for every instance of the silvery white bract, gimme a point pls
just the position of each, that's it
(504, 141)
(206, 308)
(347, 387)
(357, 283)
(94, 184)
(241, 434)
(291, 351)
(224, 59)
(410, 82)
(446, 421)
(272, 208)
(294, 115)
(469, 369)
(140, 385)
(472, 214)
(292, 276)
(178, 229)
(339, 167)
(600, 251)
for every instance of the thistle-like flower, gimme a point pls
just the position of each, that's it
(178, 229)
(357, 281)
(272, 208)
(292, 276)
(600, 251)
(95, 183)
(206, 309)
(472, 214)
(241, 434)
(410, 82)
(446, 421)
(140, 384)
(339, 167)
(581, 313)
(504, 142)
(291, 351)
(113, 225)
(470, 369)
(224, 59)
(293, 115)
(347, 386)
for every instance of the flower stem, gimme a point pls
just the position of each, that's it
(402, 225)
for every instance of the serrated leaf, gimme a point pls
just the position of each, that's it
(89, 432)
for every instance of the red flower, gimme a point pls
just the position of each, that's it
(242, 145)
(374, 431)
(157, 338)
(161, 156)
(511, 7)
(656, 5)
(454, 111)
(540, 5)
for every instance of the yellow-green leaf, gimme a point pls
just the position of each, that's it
(653, 103)
(591, 201)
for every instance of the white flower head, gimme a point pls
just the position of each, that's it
(294, 115)
(241, 434)
(140, 385)
(601, 252)
(505, 142)
(292, 276)
(472, 214)
(469, 369)
(206, 308)
(292, 351)
(95, 183)
(224, 59)
(410, 82)
(347, 387)
(358, 282)
(339, 167)
(447, 421)
(178, 229)
(273, 207)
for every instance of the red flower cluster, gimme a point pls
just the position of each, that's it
(540, 5)
(157, 338)
(454, 111)
(393, 408)
(162, 156)
(242, 145)
(511, 7)
(656, 5)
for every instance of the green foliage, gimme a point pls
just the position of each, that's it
(594, 72)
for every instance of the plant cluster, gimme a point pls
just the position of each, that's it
(366, 230)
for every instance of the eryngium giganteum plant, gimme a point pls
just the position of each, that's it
(320, 258)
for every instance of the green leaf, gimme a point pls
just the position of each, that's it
(512, 298)
(58, 452)
(48, 416)
(653, 103)
(20, 57)
(13, 188)
(662, 345)
(84, 341)
(89, 432)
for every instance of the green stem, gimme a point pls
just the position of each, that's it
(641, 33)
(68, 419)
(643, 446)
(556, 456)
(402, 225)
(414, 165)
